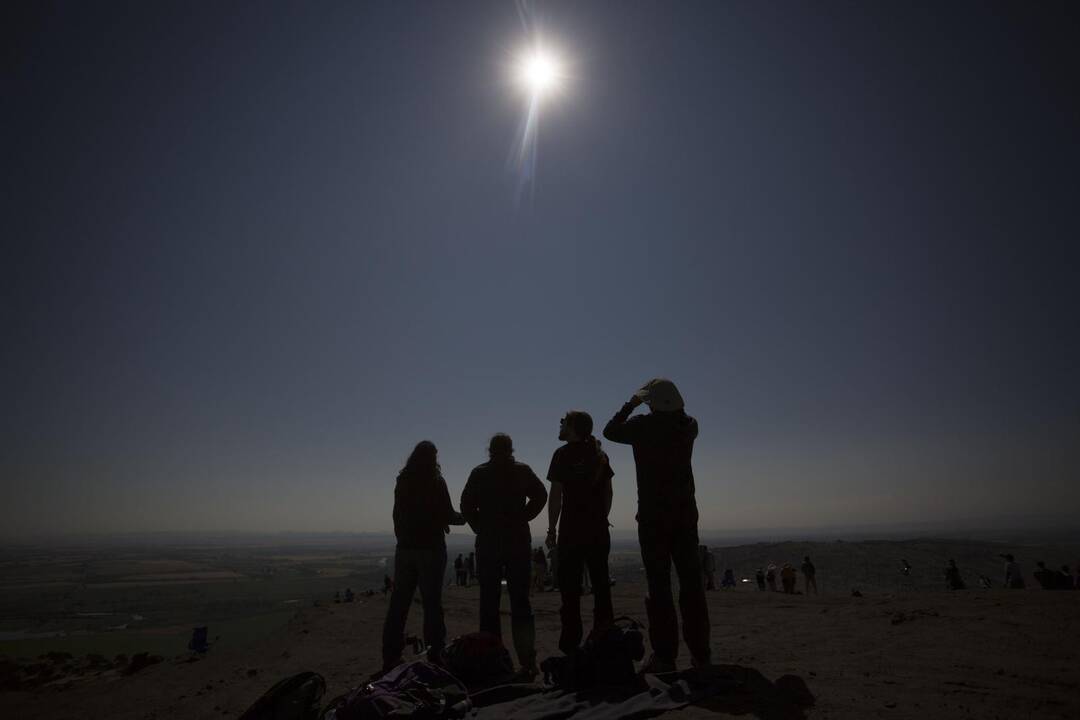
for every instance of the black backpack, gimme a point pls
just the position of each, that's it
(606, 658)
(479, 659)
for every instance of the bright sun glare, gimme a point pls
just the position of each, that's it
(539, 72)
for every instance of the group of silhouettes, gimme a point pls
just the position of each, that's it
(502, 496)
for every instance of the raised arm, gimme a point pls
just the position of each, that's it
(621, 428)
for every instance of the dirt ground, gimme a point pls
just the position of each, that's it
(979, 654)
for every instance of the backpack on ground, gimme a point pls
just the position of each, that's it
(414, 690)
(479, 659)
(294, 698)
(607, 658)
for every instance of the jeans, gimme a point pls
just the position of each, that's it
(422, 568)
(497, 560)
(574, 557)
(669, 535)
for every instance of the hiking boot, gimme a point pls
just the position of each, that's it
(656, 665)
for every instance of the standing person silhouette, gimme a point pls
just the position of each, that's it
(580, 498)
(809, 573)
(663, 443)
(422, 518)
(500, 498)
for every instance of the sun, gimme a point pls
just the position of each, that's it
(539, 72)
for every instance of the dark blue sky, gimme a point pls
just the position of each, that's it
(255, 251)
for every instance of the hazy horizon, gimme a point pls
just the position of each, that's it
(256, 253)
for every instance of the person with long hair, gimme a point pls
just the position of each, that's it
(500, 497)
(423, 515)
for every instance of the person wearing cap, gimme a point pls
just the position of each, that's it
(500, 498)
(663, 444)
(580, 498)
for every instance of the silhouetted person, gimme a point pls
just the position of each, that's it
(905, 568)
(500, 498)
(553, 566)
(459, 570)
(1014, 578)
(787, 578)
(770, 576)
(759, 576)
(708, 567)
(422, 518)
(1045, 578)
(578, 510)
(809, 573)
(953, 581)
(729, 579)
(663, 443)
(349, 595)
(539, 563)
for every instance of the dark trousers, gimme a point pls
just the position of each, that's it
(574, 557)
(669, 535)
(415, 568)
(511, 560)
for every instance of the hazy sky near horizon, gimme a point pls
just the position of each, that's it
(254, 252)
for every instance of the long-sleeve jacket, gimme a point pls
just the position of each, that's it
(663, 444)
(422, 512)
(499, 500)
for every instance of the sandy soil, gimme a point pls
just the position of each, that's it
(978, 654)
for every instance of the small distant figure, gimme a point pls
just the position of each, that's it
(553, 567)
(1047, 579)
(770, 576)
(809, 572)
(460, 578)
(787, 578)
(905, 568)
(759, 576)
(708, 567)
(199, 640)
(953, 581)
(337, 597)
(349, 597)
(729, 579)
(470, 569)
(539, 570)
(1014, 578)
